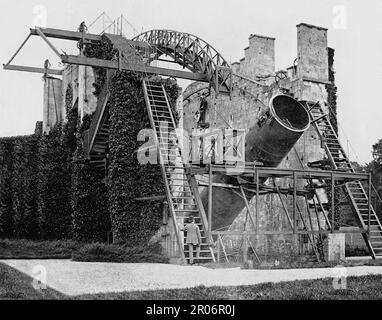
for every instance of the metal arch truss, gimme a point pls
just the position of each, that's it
(191, 53)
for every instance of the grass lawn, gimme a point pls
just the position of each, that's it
(77, 251)
(366, 287)
(297, 264)
(16, 285)
(25, 249)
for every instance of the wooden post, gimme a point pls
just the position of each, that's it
(257, 200)
(248, 210)
(230, 84)
(217, 81)
(209, 203)
(218, 244)
(333, 206)
(294, 202)
(369, 206)
(245, 249)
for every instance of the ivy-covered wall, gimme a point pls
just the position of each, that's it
(331, 90)
(134, 222)
(49, 190)
(18, 189)
(90, 217)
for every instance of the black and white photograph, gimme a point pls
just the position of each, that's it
(180, 152)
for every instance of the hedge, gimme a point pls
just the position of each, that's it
(133, 222)
(90, 218)
(100, 252)
(49, 190)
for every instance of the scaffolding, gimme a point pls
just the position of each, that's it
(250, 184)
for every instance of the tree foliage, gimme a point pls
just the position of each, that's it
(91, 218)
(375, 168)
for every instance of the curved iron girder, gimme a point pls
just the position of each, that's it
(191, 53)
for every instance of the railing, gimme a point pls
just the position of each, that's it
(99, 112)
(218, 146)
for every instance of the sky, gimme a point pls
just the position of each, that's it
(354, 31)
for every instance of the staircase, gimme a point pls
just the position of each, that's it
(355, 190)
(181, 187)
(98, 133)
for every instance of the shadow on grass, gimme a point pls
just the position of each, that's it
(358, 288)
(17, 285)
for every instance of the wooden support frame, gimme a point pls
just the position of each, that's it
(125, 65)
(65, 34)
(18, 49)
(42, 35)
(167, 188)
(294, 202)
(257, 198)
(220, 243)
(14, 67)
(285, 209)
(247, 206)
(295, 174)
(277, 232)
(369, 205)
(309, 234)
(209, 204)
(333, 199)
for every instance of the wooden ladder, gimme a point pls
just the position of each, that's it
(355, 190)
(181, 187)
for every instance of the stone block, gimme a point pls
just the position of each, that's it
(334, 247)
(312, 50)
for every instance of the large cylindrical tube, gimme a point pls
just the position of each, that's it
(268, 141)
(277, 131)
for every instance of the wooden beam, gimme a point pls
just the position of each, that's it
(43, 36)
(294, 202)
(19, 49)
(153, 198)
(285, 208)
(31, 69)
(333, 200)
(247, 206)
(93, 62)
(241, 233)
(65, 34)
(217, 184)
(209, 202)
(369, 206)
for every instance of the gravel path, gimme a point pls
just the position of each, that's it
(75, 278)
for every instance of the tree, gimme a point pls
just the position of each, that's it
(375, 168)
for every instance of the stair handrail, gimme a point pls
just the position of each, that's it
(99, 112)
(376, 192)
(168, 192)
(191, 180)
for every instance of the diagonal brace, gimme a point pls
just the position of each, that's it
(42, 35)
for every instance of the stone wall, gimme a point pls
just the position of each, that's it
(81, 79)
(52, 103)
(242, 111)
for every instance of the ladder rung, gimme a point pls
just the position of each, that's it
(178, 197)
